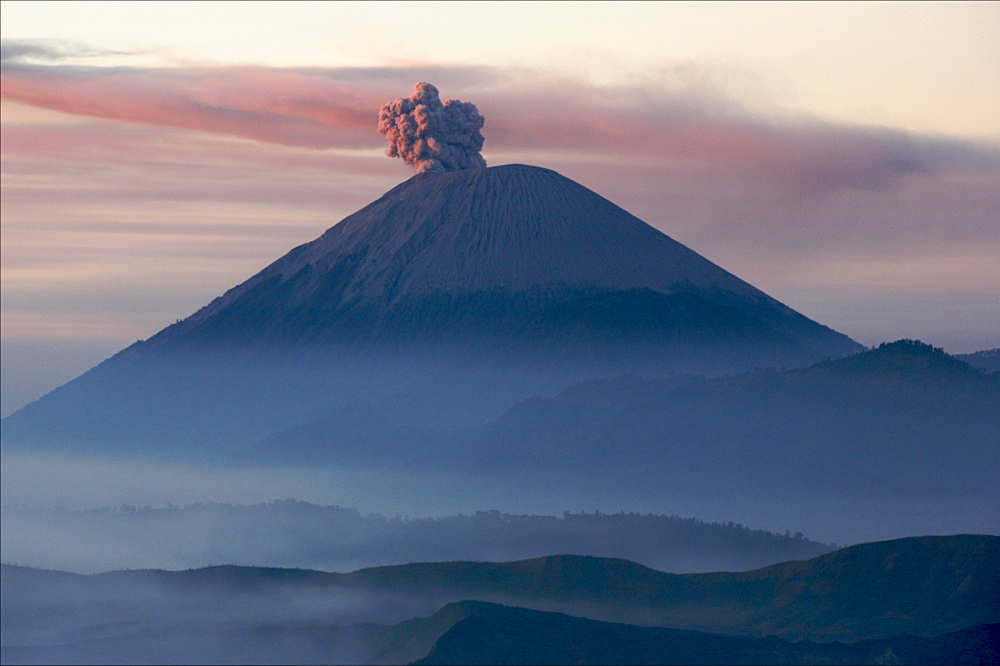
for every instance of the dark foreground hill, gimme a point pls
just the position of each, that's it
(445, 301)
(925, 587)
(493, 634)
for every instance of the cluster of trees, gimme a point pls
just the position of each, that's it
(301, 534)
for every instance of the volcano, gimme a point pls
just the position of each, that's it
(445, 301)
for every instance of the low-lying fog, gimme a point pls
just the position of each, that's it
(35, 534)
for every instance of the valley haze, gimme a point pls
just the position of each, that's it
(426, 359)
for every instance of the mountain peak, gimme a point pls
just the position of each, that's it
(471, 289)
(485, 244)
(512, 228)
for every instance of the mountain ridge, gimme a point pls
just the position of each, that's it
(924, 586)
(717, 436)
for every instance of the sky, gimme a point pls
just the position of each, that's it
(843, 157)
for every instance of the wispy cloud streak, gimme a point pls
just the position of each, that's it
(17, 50)
(292, 109)
(691, 126)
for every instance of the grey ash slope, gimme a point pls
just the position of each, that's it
(513, 228)
(449, 299)
(517, 233)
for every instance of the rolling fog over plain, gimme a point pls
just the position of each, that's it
(70, 543)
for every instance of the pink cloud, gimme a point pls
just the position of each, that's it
(808, 158)
(701, 131)
(683, 147)
(59, 169)
(288, 108)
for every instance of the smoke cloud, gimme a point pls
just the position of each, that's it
(431, 135)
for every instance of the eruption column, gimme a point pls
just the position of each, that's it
(431, 135)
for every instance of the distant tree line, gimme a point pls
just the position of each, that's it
(293, 533)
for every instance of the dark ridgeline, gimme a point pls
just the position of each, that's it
(900, 422)
(918, 600)
(987, 360)
(442, 303)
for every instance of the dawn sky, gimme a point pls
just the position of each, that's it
(843, 157)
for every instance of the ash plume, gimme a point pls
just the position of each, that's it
(431, 135)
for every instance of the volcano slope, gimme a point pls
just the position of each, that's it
(444, 302)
